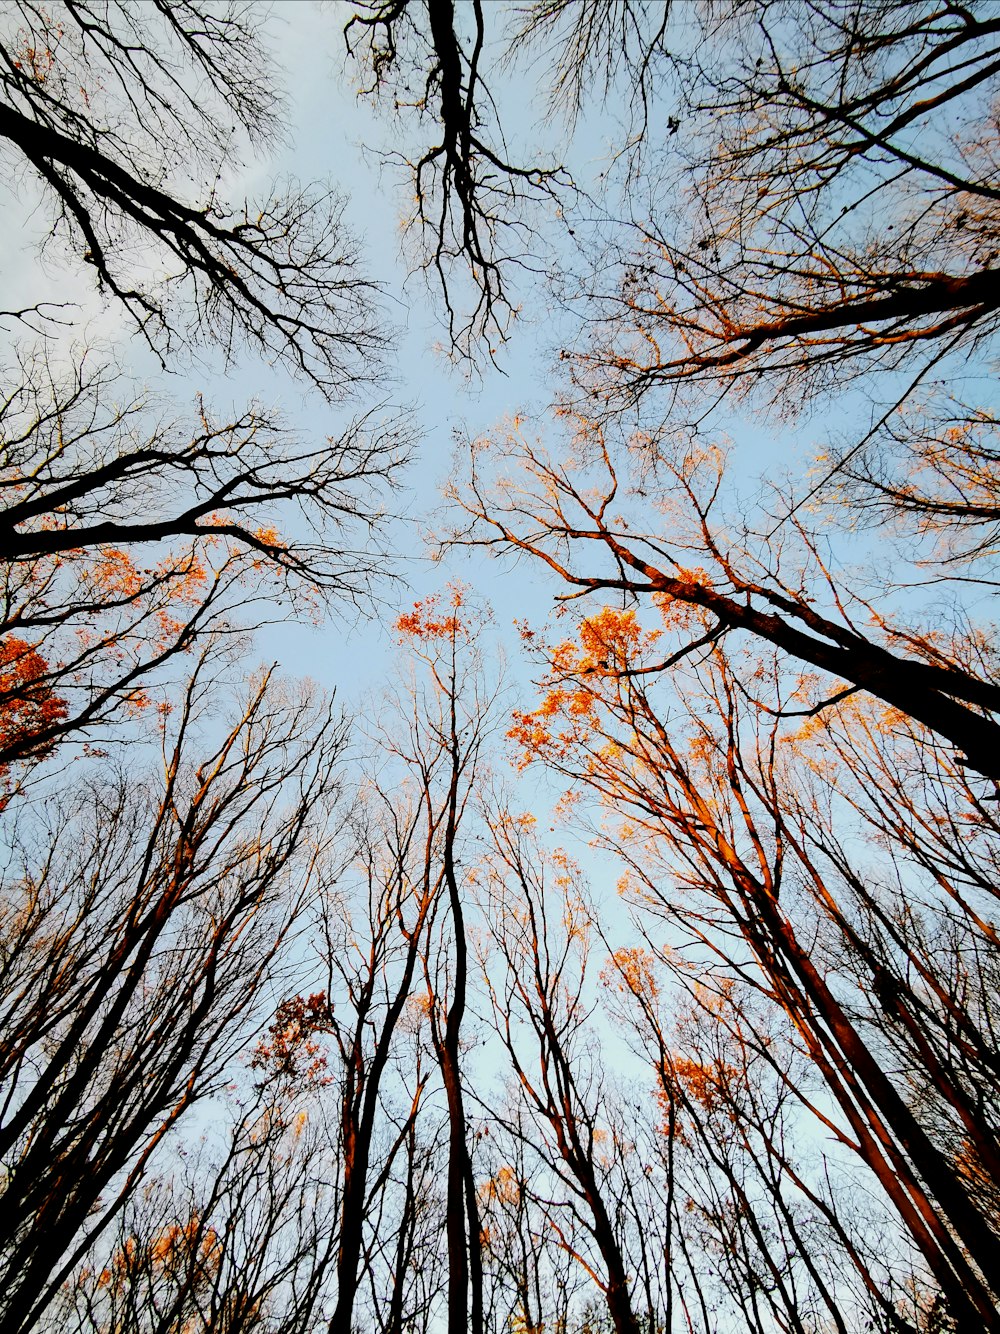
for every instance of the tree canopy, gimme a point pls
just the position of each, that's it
(601, 935)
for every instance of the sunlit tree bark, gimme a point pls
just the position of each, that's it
(580, 522)
(708, 792)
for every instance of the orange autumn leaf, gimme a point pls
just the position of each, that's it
(291, 1049)
(609, 643)
(632, 969)
(427, 620)
(28, 704)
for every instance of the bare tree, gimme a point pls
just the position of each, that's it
(831, 221)
(109, 109)
(239, 1236)
(788, 138)
(146, 923)
(451, 719)
(806, 200)
(344, 1040)
(228, 511)
(471, 216)
(534, 1279)
(540, 1011)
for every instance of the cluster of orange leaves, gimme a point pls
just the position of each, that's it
(37, 61)
(28, 704)
(109, 578)
(427, 620)
(504, 1186)
(634, 970)
(678, 614)
(692, 1082)
(171, 1251)
(112, 578)
(291, 1049)
(684, 1080)
(269, 537)
(608, 643)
